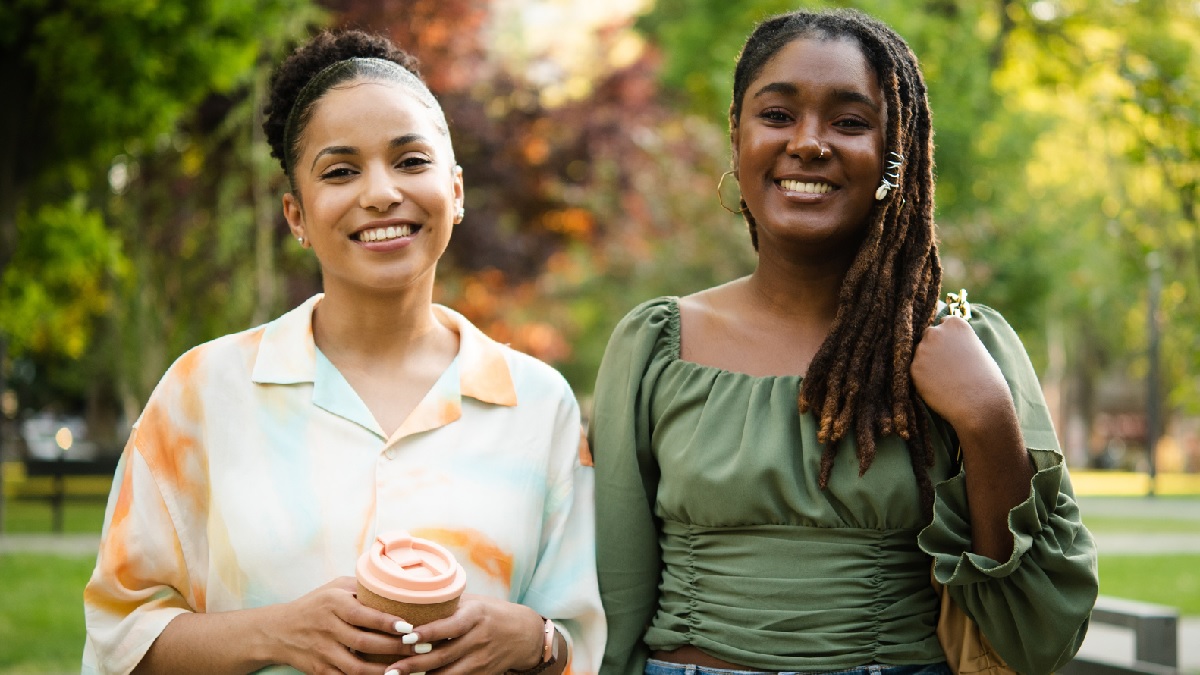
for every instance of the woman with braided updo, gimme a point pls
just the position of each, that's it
(778, 457)
(267, 461)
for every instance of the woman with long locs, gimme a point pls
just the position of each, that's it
(783, 461)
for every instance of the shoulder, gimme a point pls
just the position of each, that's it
(653, 310)
(229, 355)
(643, 343)
(996, 334)
(649, 321)
(530, 373)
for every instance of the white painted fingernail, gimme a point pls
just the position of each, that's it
(393, 671)
(410, 639)
(423, 648)
(402, 627)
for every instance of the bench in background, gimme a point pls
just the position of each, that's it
(47, 479)
(1155, 639)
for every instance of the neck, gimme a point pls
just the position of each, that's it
(382, 327)
(800, 290)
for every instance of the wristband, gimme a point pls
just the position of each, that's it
(549, 650)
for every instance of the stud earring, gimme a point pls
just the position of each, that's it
(721, 197)
(891, 177)
(301, 240)
(462, 211)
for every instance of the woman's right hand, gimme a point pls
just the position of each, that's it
(316, 633)
(321, 631)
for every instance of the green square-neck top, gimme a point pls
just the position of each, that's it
(713, 532)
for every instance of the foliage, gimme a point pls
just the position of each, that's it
(90, 80)
(99, 92)
(64, 251)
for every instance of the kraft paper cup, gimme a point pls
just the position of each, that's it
(413, 579)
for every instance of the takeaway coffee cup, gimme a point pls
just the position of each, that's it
(410, 578)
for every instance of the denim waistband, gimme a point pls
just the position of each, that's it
(656, 667)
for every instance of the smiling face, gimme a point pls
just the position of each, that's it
(377, 192)
(809, 145)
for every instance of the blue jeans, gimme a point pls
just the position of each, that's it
(656, 667)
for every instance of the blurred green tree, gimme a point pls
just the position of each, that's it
(93, 90)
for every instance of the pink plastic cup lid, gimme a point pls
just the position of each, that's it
(405, 568)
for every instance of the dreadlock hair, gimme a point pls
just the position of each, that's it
(329, 59)
(860, 375)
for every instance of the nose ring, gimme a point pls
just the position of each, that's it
(824, 151)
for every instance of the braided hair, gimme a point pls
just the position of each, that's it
(860, 379)
(329, 59)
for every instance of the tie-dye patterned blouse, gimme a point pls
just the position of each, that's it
(255, 474)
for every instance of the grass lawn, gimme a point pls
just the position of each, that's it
(41, 617)
(1172, 580)
(41, 611)
(31, 516)
(1105, 524)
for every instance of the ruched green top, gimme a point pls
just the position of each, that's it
(712, 531)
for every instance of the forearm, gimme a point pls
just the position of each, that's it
(220, 642)
(998, 471)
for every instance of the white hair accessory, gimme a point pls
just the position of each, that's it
(891, 177)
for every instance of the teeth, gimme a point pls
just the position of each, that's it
(797, 186)
(385, 233)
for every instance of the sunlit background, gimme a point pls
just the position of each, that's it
(140, 210)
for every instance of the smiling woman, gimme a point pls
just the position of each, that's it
(267, 461)
(781, 459)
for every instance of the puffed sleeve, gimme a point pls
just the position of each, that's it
(564, 586)
(1034, 607)
(628, 557)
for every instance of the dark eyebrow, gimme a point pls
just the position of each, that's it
(406, 139)
(845, 95)
(334, 150)
(397, 142)
(777, 88)
(855, 97)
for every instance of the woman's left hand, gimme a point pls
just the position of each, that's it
(485, 635)
(957, 378)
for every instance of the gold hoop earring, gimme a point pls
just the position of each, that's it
(721, 198)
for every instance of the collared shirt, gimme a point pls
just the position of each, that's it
(256, 474)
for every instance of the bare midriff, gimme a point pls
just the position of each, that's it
(694, 656)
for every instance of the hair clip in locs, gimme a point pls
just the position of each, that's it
(957, 305)
(891, 177)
